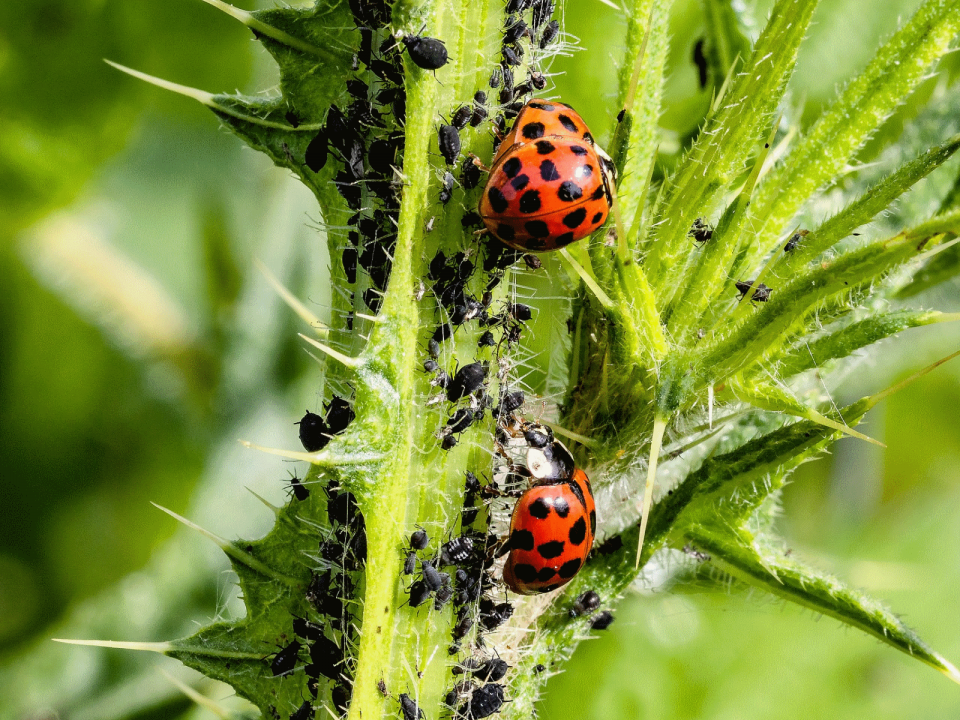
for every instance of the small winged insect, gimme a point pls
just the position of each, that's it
(795, 240)
(761, 293)
(701, 232)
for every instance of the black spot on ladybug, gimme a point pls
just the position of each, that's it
(537, 228)
(564, 240)
(546, 574)
(428, 53)
(505, 232)
(597, 218)
(497, 201)
(568, 123)
(551, 549)
(578, 532)
(570, 191)
(598, 193)
(530, 202)
(533, 130)
(588, 137)
(560, 506)
(511, 167)
(578, 150)
(539, 509)
(569, 569)
(543, 106)
(525, 573)
(522, 540)
(520, 182)
(575, 219)
(548, 171)
(593, 523)
(545, 147)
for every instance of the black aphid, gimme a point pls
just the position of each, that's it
(431, 577)
(468, 379)
(470, 174)
(460, 420)
(449, 138)
(449, 442)
(314, 433)
(484, 702)
(701, 232)
(286, 660)
(419, 592)
(487, 340)
(550, 33)
(585, 604)
(603, 620)
(761, 293)
(446, 191)
(427, 52)
(316, 155)
(307, 630)
(409, 707)
(457, 551)
(496, 77)
(795, 240)
(300, 491)
(520, 311)
(304, 712)
(461, 117)
(492, 670)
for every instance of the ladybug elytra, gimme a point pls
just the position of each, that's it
(551, 534)
(549, 184)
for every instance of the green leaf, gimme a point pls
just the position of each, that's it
(864, 104)
(718, 156)
(761, 563)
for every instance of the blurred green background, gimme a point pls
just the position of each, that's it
(137, 344)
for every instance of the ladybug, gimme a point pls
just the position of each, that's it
(549, 185)
(551, 534)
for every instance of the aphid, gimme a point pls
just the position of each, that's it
(699, 58)
(430, 366)
(419, 593)
(300, 491)
(585, 604)
(461, 117)
(442, 597)
(493, 616)
(520, 312)
(447, 191)
(496, 77)
(468, 379)
(457, 551)
(342, 507)
(484, 702)
(324, 657)
(539, 668)
(462, 627)
(419, 539)
(314, 433)
(410, 563)
(542, 10)
(603, 620)
(548, 186)
(307, 630)
(409, 707)
(357, 88)
(509, 402)
(479, 115)
(449, 139)
(431, 577)
(795, 240)
(427, 52)
(470, 174)
(515, 30)
(611, 545)
(460, 420)
(701, 232)
(433, 347)
(443, 332)
(551, 534)
(532, 262)
(492, 670)
(486, 340)
(761, 293)
(517, 6)
(510, 56)
(286, 660)
(303, 712)
(316, 154)
(382, 687)
(550, 33)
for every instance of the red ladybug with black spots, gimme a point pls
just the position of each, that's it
(551, 534)
(550, 184)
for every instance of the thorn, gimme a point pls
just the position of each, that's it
(587, 278)
(205, 98)
(230, 549)
(949, 669)
(325, 458)
(288, 297)
(250, 20)
(371, 318)
(349, 362)
(659, 426)
(938, 249)
(816, 417)
(874, 399)
(276, 510)
(201, 700)
(157, 647)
